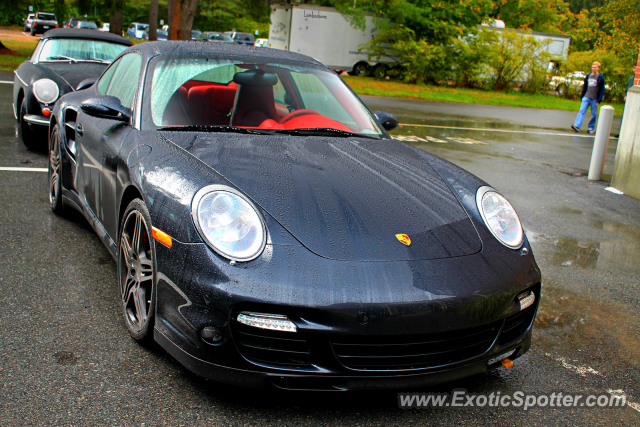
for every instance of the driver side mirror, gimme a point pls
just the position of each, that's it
(106, 107)
(387, 120)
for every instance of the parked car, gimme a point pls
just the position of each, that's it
(105, 27)
(268, 231)
(136, 30)
(571, 82)
(214, 36)
(242, 38)
(87, 25)
(28, 21)
(42, 22)
(73, 22)
(262, 42)
(196, 35)
(64, 60)
(160, 34)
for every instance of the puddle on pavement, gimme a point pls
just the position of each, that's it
(620, 250)
(594, 328)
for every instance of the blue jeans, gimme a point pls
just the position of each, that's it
(586, 103)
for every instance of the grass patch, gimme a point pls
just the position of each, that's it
(375, 87)
(20, 51)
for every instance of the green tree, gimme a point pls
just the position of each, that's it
(536, 15)
(421, 34)
(622, 22)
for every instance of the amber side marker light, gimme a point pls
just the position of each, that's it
(162, 237)
(46, 112)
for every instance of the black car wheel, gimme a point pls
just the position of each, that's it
(28, 136)
(360, 69)
(33, 31)
(55, 186)
(380, 71)
(137, 271)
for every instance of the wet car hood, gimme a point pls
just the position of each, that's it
(75, 73)
(343, 198)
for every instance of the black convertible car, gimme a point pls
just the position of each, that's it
(63, 61)
(269, 232)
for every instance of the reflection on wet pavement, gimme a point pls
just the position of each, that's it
(619, 251)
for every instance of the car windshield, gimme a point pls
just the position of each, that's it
(262, 94)
(79, 50)
(142, 27)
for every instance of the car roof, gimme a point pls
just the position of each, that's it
(78, 33)
(150, 49)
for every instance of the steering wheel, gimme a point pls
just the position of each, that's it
(297, 113)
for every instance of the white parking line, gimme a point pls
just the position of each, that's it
(501, 130)
(24, 169)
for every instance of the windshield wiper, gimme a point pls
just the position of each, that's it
(62, 58)
(322, 132)
(102, 61)
(199, 128)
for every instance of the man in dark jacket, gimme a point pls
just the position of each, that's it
(592, 94)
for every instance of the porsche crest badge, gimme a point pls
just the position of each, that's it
(404, 239)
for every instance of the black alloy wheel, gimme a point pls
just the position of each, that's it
(137, 271)
(55, 186)
(29, 137)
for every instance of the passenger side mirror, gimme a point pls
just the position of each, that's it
(106, 107)
(387, 120)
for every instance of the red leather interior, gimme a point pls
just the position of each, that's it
(255, 104)
(209, 104)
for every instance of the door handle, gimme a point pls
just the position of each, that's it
(79, 129)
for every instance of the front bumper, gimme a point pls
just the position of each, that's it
(35, 119)
(339, 381)
(429, 301)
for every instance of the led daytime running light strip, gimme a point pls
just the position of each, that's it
(274, 322)
(526, 300)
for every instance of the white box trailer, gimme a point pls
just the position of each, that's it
(324, 34)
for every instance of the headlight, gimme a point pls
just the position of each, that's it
(229, 223)
(46, 91)
(500, 217)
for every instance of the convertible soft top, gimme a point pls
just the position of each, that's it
(178, 47)
(77, 33)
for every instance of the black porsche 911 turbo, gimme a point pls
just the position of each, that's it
(64, 60)
(269, 232)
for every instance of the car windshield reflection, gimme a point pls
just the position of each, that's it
(78, 50)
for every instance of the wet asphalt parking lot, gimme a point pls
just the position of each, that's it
(67, 359)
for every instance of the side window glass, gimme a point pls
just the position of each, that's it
(103, 83)
(124, 83)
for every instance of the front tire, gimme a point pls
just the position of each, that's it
(137, 271)
(55, 177)
(29, 137)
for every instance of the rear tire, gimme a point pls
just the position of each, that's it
(360, 69)
(380, 71)
(28, 136)
(137, 272)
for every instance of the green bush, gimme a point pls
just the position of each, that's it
(615, 72)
